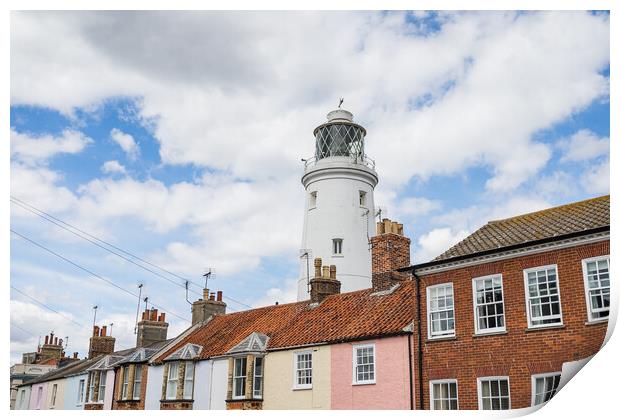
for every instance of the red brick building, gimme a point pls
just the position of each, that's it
(504, 309)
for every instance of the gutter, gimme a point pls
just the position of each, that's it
(419, 349)
(488, 252)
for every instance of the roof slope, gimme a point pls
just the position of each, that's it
(570, 218)
(341, 317)
(71, 369)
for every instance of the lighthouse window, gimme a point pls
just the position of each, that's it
(312, 200)
(363, 198)
(337, 246)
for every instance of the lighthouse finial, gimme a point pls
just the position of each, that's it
(341, 101)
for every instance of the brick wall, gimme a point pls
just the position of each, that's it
(390, 251)
(118, 403)
(519, 352)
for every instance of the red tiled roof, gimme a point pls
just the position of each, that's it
(342, 317)
(567, 219)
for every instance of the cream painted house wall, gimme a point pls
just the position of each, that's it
(60, 394)
(279, 391)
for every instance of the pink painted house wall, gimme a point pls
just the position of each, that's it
(391, 387)
(34, 403)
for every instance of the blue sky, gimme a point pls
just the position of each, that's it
(182, 144)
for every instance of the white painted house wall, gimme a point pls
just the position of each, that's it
(22, 403)
(153, 387)
(202, 385)
(219, 384)
(109, 390)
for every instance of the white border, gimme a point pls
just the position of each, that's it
(527, 296)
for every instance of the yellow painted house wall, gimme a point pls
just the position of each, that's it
(279, 392)
(60, 394)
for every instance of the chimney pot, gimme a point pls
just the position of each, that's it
(154, 315)
(332, 272)
(51, 337)
(212, 296)
(326, 272)
(75, 354)
(205, 294)
(145, 315)
(162, 317)
(60, 342)
(47, 339)
(95, 331)
(104, 330)
(55, 341)
(219, 295)
(317, 267)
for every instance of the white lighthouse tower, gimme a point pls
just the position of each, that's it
(339, 214)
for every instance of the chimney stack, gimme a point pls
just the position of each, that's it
(100, 343)
(324, 282)
(51, 349)
(390, 251)
(204, 308)
(152, 328)
(75, 354)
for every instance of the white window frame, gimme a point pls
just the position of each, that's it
(374, 364)
(541, 376)
(312, 198)
(258, 395)
(239, 377)
(22, 397)
(125, 383)
(476, 305)
(439, 382)
(443, 334)
(39, 397)
(170, 380)
(54, 394)
(81, 388)
(337, 245)
(527, 296)
(188, 380)
(137, 380)
(91, 386)
(363, 198)
(296, 370)
(492, 378)
(102, 384)
(584, 266)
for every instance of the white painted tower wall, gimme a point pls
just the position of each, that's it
(338, 214)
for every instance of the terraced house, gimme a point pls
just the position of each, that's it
(509, 308)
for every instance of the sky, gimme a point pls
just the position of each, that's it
(178, 137)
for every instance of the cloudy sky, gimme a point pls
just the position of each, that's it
(178, 136)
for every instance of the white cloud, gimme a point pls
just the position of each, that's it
(435, 242)
(232, 109)
(126, 142)
(418, 206)
(113, 167)
(32, 150)
(285, 294)
(596, 179)
(583, 145)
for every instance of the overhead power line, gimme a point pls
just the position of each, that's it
(92, 273)
(22, 329)
(98, 242)
(46, 306)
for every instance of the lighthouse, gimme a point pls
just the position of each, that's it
(339, 181)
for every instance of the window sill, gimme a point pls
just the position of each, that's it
(597, 321)
(444, 338)
(311, 208)
(172, 401)
(545, 327)
(364, 383)
(136, 401)
(486, 334)
(302, 388)
(337, 256)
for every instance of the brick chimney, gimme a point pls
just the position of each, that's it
(390, 251)
(324, 282)
(51, 349)
(209, 305)
(100, 343)
(151, 328)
